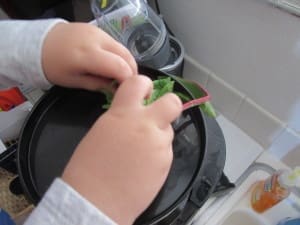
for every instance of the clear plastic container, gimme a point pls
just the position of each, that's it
(137, 26)
(269, 192)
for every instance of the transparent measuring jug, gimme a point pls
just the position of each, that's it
(137, 26)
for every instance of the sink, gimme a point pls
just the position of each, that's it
(236, 209)
(244, 216)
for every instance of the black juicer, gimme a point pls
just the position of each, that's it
(142, 31)
(199, 146)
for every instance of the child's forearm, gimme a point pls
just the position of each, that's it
(20, 52)
(63, 205)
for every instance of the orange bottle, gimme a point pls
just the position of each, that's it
(269, 192)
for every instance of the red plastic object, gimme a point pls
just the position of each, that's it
(11, 98)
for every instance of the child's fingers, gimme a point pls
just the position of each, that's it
(113, 46)
(107, 64)
(132, 92)
(165, 110)
(91, 82)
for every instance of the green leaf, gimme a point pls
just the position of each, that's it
(190, 86)
(195, 92)
(164, 85)
(208, 109)
(160, 87)
(183, 97)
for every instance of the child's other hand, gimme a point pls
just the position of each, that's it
(123, 161)
(80, 55)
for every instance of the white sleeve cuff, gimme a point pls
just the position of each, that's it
(64, 206)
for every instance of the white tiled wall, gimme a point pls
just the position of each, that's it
(230, 102)
(250, 52)
(258, 123)
(287, 141)
(194, 71)
(261, 125)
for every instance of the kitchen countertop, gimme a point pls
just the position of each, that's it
(241, 152)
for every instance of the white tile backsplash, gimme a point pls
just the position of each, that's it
(258, 123)
(292, 158)
(225, 98)
(288, 141)
(194, 71)
(251, 45)
(219, 90)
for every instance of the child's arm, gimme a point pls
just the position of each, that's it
(20, 52)
(61, 204)
(119, 166)
(77, 55)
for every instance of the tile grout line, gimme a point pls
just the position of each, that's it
(199, 67)
(239, 108)
(244, 98)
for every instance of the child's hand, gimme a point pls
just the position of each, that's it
(81, 55)
(123, 161)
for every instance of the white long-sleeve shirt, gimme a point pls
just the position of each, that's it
(20, 63)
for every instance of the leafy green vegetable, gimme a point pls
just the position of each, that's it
(195, 93)
(164, 85)
(161, 86)
(183, 97)
(109, 94)
(109, 97)
(208, 109)
(192, 88)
